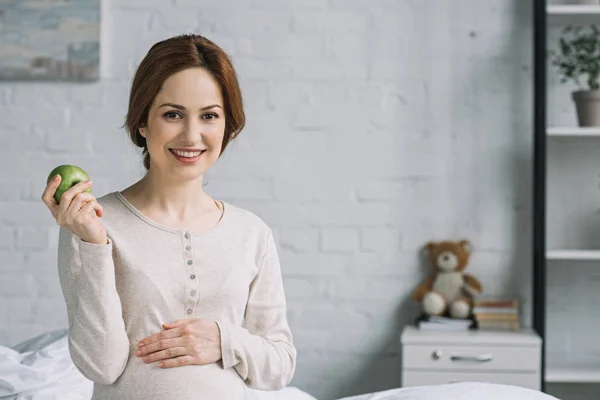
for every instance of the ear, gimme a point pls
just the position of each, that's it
(428, 248)
(466, 245)
(142, 129)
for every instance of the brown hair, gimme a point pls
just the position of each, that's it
(173, 55)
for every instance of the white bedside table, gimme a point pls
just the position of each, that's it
(435, 357)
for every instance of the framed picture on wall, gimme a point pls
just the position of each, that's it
(49, 40)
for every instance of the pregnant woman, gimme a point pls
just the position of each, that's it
(171, 294)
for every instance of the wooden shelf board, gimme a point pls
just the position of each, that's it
(573, 255)
(567, 131)
(573, 374)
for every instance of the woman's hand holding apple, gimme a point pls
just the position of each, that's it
(78, 210)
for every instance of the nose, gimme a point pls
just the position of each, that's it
(445, 257)
(192, 134)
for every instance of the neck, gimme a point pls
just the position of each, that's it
(175, 198)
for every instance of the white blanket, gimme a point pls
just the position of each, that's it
(41, 369)
(457, 391)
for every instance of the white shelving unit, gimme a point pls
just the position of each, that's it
(559, 15)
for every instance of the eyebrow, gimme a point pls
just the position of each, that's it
(180, 107)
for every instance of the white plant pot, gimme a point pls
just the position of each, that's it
(587, 103)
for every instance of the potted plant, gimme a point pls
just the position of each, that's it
(578, 59)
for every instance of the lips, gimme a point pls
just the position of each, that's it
(189, 157)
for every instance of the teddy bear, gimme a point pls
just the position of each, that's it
(448, 291)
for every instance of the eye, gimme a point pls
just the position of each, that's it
(210, 116)
(172, 114)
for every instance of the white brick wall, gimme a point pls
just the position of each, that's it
(373, 127)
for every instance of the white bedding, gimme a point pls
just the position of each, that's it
(41, 369)
(456, 391)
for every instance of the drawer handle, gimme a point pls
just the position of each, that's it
(480, 358)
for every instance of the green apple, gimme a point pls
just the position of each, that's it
(70, 176)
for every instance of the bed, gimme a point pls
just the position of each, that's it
(41, 368)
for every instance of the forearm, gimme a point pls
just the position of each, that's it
(263, 364)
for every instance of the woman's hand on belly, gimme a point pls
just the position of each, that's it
(184, 342)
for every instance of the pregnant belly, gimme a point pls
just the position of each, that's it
(148, 381)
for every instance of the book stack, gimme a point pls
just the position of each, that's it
(497, 314)
(443, 323)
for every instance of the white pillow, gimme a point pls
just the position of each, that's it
(287, 393)
(457, 391)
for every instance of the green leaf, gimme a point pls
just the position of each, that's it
(578, 55)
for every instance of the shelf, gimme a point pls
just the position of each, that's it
(584, 14)
(573, 374)
(573, 9)
(573, 131)
(573, 255)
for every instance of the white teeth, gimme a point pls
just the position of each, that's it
(186, 153)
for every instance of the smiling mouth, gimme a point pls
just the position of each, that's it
(187, 153)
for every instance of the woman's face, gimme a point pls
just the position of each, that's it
(186, 125)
